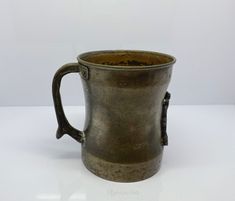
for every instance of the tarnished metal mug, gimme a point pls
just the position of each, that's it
(126, 110)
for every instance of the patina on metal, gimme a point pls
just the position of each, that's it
(126, 111)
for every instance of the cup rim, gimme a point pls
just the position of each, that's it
(106, 66)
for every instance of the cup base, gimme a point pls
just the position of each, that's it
(132, 172)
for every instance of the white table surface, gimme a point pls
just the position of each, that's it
(198, 164)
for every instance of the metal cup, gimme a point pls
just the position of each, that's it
(126, 109)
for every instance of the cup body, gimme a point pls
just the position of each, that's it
(124, 94)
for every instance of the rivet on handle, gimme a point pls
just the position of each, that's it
(84, 72)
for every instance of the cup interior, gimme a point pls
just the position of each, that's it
(127, 58)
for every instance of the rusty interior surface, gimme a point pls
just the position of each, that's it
(127, 58)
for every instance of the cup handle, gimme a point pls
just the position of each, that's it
(165, 105)
(64, 126)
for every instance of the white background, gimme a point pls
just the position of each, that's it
(37, 37)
